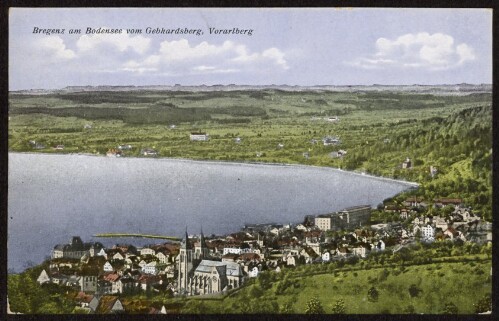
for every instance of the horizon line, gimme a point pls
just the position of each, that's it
(266, 85)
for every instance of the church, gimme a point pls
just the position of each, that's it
(198, 275)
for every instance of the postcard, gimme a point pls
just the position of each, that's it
(250, 161)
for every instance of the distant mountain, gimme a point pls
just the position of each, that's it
(456, 89)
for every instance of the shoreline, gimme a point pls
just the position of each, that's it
(232, 163)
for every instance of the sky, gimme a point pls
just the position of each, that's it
(316, 46)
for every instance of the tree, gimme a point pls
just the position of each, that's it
(339, 307)
(450, 308)
(314, 306)
(414, 290)
(410, 309)
(484, 304)
(372, 294)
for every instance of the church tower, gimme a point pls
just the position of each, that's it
(204, 252)
(185, 264)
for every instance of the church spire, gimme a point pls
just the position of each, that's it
(201, 239)
(185, 242)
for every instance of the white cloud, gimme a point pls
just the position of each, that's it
(121, 42)
(214, 70)
(228, 57)
(434, 52)
(54, 46)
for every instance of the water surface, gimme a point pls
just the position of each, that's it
(52, 197)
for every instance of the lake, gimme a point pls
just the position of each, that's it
(53, 197)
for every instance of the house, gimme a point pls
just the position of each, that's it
(88, 283)
(198, 136)
(43, 278)
(107, 304)
(433, 171)
(232, 250)
(404, 214)
(274, 231)
(118, 256)
(301, 227)
(147, 251)
(329, 141)
(163, 256)
(150, 268)
(115, 280)
(253, 273)
(83, 300)
(414, 201)
(291, 260)
(428, 233)
(343, 252)
(148, 152)
(103, 287)
(102, 253)
(443, 202)
(407, 163)
(108, 267)
(113, 152)
(361, 250)
(379, 246)
(326, 256)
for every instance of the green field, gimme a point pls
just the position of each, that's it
(436, 283)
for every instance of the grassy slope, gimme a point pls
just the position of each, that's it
(440, 283)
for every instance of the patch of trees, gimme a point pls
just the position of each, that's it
(148, 115)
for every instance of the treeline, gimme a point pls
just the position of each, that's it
(147, 115)
(389, 101)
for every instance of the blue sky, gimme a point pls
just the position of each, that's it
(324, 46)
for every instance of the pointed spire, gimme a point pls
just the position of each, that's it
(202, 240)
(185, 242)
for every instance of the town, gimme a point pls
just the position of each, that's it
(207, 266)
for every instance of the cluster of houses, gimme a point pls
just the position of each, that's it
(207, 266)
(458, 224)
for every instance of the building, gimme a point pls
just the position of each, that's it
(351, 217)
(347, 218)
(324, 222)
(76, 249)
(201, 137)
(197, 275)
(407, 163)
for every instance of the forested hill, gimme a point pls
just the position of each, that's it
(460, 146)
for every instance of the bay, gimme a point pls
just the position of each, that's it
(53, 197)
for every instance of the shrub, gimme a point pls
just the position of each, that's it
(414, 290)
(372, 294)
(339, 307)
(450, 308)
(314, 306)
(484, 304)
